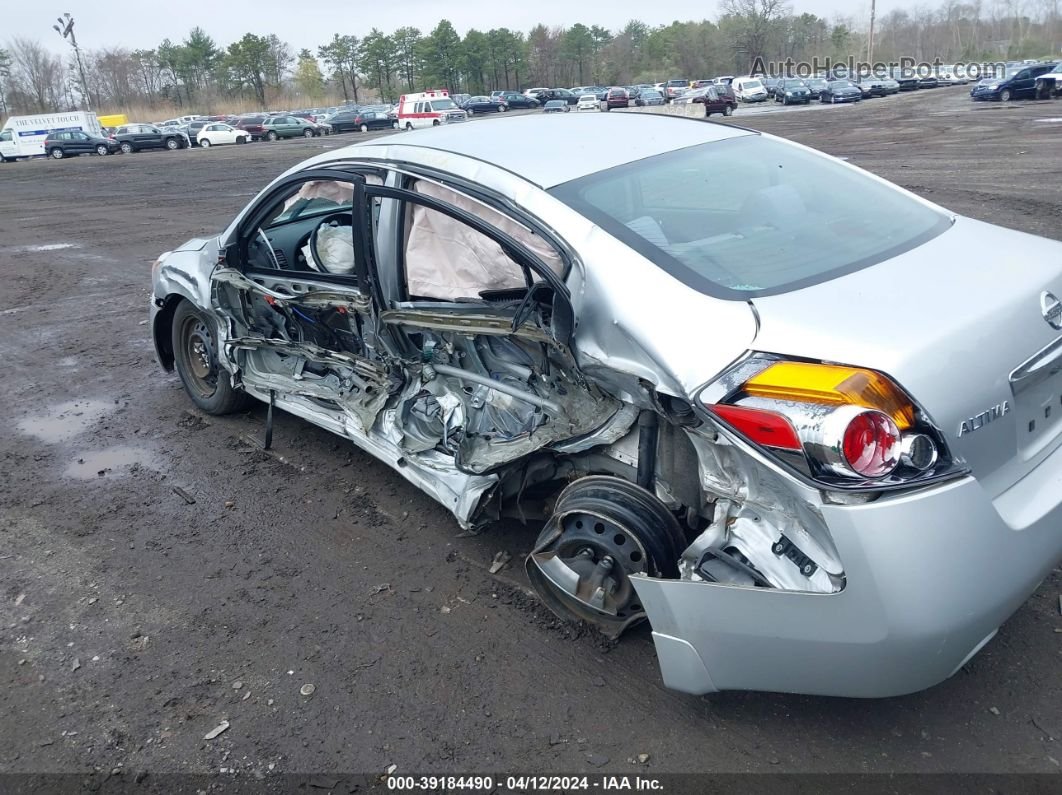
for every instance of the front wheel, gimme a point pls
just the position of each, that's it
(271, 135)
(1005, 95)
(172, 143)
(409, 126)
(308, 133)
(101, 150)
(204, 142)
(195, 355)
(728, 111)
(57, 154)
(435, 123)
(396, 126)
(364, 128)
(503, 108)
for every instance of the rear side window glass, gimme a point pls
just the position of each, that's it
(752, 216)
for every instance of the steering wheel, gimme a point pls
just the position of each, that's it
(337, 219)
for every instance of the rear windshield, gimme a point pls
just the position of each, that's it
(752, 216)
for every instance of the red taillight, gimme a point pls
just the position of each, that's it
(760, 427)
(871, 444)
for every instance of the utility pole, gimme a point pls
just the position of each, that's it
(65, 28)
(870, 38)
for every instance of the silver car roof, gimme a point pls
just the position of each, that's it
(548, 153)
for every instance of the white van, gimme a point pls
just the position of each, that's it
(749, 89)
(24, 136)
(428, 109)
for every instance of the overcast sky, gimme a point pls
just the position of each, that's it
(309, 23)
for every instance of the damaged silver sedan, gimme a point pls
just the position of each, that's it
(807, 424)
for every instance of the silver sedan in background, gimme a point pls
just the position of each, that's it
(805, 423)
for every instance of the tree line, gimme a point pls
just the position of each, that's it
(263, 70)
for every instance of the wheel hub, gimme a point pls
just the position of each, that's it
(200, 347)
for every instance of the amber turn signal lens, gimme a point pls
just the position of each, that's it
(833, 385)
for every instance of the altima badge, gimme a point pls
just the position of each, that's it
(979, 421)
(1052, 309)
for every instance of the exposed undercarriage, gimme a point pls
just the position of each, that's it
(479, 405)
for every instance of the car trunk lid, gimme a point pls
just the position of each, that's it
(959, 323)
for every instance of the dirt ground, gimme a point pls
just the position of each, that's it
(160, 574)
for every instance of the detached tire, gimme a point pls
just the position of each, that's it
(195, 356)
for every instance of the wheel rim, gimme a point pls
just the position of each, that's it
(198, 345)
(601, 533)
(364, 128)
(307, 134)
(205, 143)
(101, 150)
(171, 144)
(126, 148)
(57, 154)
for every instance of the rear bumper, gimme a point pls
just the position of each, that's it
(930, 578)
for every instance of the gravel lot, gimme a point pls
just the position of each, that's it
(134, 620)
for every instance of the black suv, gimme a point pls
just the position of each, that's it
(77, 142)
(134, 137)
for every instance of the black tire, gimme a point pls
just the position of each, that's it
(101, 150)
(728, 111)
(271, 135)
(242, 139)
(409, 126)
(195, 356)
(364, 128)
(435, 123)
(57, 153)
(172, 144)
(1005, 95)
(126, 147)
(308, 133)
(396, 126)
(502, 108)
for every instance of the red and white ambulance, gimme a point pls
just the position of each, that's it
(428, 109)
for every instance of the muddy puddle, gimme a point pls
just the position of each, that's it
(111, 462)
(66, 420)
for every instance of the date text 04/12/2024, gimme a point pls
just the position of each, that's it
(525, 783)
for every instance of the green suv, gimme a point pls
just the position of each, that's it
(287, 127)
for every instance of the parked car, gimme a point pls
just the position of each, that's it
(588, 102)
(483, 104)
(649, 96)
(557, 93)
(191, 130)
(791, 508)
(252, 125)
(871, 87)
(217, 134)
(771, 84)
(617, 97)
(556, 106)
(841, 91)
(907, 81)
(817, 85)
(137, 137)
(1049, 84)
(717, 99)
(749, 89)
(365, 120)
(516, 100)
(675, 88)
(1019, 83)
(792, 91)
(928, 81)
(287, 127)
(71, 143)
